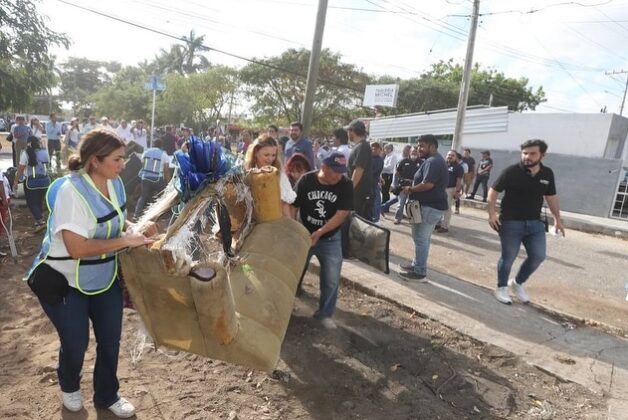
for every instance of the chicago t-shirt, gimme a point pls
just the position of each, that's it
(318, 202)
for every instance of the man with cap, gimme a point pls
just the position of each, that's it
(360, 170)
(429, 190)
(324, 200)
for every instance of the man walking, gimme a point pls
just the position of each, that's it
(467, 179)
(324, 200)
(524, 186)
(483, 173)
(361, 170)
(404, 175)
(428, 189)
(298, 144)
(454, 187)
(53, 134)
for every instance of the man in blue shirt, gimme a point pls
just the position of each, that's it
(298, 144)
(428, 189)
(53, 133)
(454, 187)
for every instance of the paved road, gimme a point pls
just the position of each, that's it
(584, 275)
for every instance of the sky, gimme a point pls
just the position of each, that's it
(567, 47)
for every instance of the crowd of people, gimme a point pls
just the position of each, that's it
(323, 183)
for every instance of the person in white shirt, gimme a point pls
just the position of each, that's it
(390, 165)
(341, 142)
(140, 135)
(124, 132)
(264, 151)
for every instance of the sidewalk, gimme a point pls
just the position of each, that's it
(584, 355)
(576, 221)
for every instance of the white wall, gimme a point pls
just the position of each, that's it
(570, 134)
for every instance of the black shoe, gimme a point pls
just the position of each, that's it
(411, 275)
(470, 197)
(441, 229)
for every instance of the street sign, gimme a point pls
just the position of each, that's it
(381, 95)
(154, 84)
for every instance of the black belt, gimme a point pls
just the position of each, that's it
(84, 262)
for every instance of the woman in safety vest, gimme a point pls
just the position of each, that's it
(33, 169)
(86, 230)
(264, 151)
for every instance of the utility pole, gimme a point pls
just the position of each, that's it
(623, 101)
(312, 71)
(466, 78)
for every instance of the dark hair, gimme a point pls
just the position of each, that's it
(54, 114)
(486, 152)
(341, 134)
(466, 149)
(428, 139)
(535, 142)
(376, 144)
(297, 124)
(99, 142)
(34, 144)
(274, 127)
(157, 143)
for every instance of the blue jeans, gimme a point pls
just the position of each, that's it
(377, 203)
(483, 180)
(35, 202)
(421, 234)
(512, 234)
(71, 319)
(329, 254)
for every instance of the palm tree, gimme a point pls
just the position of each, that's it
(193, 59)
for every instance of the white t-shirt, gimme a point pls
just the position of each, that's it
(287, 193)
(71, 213)
(124, 133)
(139, 137)
(7, 187)
(37, 132)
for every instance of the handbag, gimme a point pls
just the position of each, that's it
(38, 182)
(49, 285)
(413, 210)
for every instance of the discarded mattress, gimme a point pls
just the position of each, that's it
(191, 297)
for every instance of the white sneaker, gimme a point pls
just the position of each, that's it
(521, 293)
(501, 294)
(122, 408)
(73, 401)
(329, 323)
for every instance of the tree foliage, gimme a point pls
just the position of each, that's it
(25, 62)
(198, 100)
(125, 96)
(277, 96)
(438, 88)
(182, 59)
(81, 78)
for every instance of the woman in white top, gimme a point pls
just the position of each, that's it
(85, 231)
(37, 128)
(264, 151)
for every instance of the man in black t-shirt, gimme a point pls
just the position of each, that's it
(360, 170)
(168, 141)
(482, 175)
(524, 186)
(428, 189)
(324, 200)
(454, 187)
(467, 178)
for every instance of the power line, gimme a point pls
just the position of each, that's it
(209, 48)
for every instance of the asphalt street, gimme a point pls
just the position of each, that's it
(584, 275)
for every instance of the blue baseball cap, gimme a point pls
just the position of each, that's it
(337, 162)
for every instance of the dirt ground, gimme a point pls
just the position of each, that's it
(381, 363)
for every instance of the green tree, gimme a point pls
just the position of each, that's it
(181, 59)
(125, 97)
(81, 78)
(277, 95)
(197, 100)
(25, 62)
(438, 88)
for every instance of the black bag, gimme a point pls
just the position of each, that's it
(49, 285)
